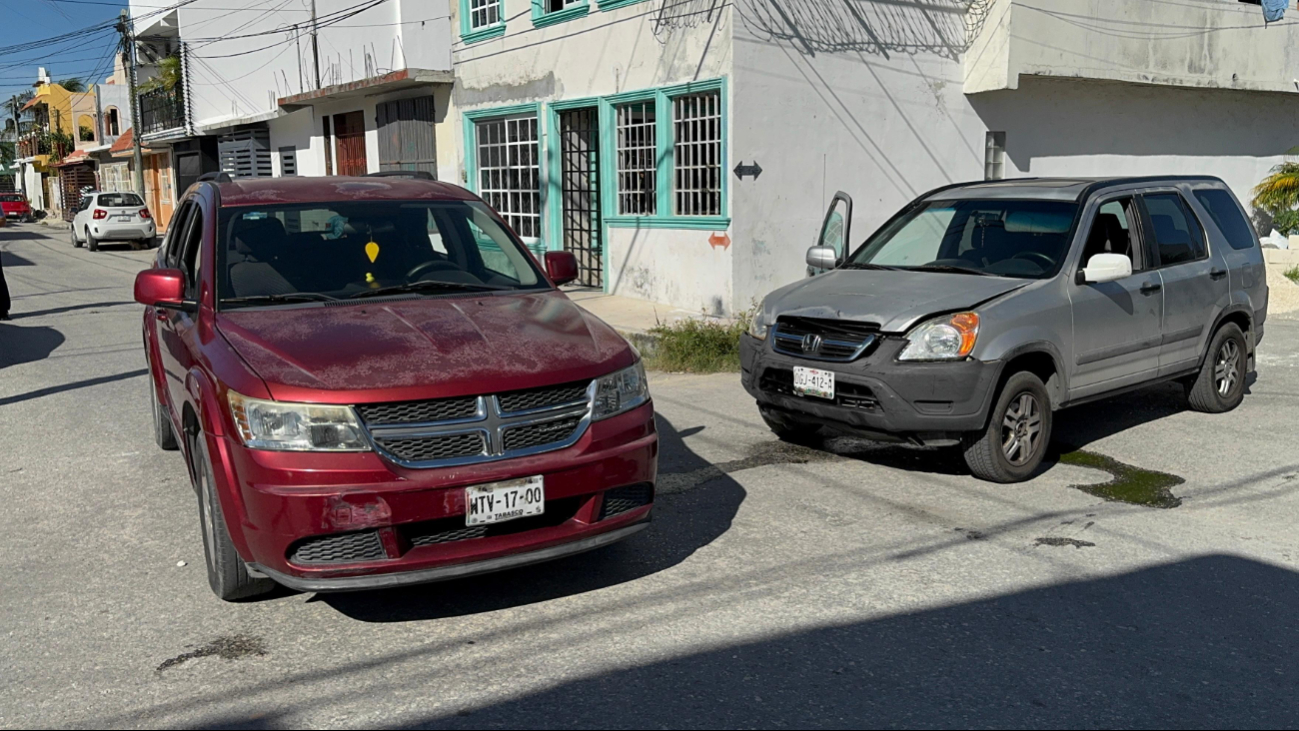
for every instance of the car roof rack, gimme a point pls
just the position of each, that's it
(416, 174)
(221, 177)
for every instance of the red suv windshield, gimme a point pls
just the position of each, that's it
(355, 249)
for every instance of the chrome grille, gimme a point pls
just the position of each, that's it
(821, 339)
(448, 432)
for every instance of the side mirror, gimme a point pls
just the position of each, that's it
(822, 257)
(561, 267)
(1107, 268)
(163, 288)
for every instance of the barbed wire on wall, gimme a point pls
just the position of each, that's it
(881, 27)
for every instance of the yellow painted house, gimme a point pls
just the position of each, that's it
(52, 109)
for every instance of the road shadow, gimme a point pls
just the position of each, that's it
(10, 259)
(683, 523)
(69, 308)
(26, 344)
(1205, 643)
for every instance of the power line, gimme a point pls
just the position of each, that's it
(161, 7)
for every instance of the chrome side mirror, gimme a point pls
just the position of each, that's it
(822, 257)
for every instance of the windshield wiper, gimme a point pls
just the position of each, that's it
(425, 286)
(867, 265)
(264, 299)
(953, 269)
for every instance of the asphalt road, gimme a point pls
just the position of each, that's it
(778, 587)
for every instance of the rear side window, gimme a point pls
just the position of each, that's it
(1231, 222)
(1176, 232)
(11, 198)
(119, 200)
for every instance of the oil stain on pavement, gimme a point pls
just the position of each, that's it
(760, 455)
(1059, 541)
(226, 648)
(1128, 483)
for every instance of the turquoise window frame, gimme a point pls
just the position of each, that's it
(469, 35)
(615, 4)
(663, 219)
(470, 120)
(541, 18)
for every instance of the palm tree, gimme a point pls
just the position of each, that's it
(1279, 191)
(73, 84)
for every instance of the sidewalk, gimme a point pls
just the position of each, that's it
(632, 318)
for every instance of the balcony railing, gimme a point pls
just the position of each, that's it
(33, 145)
(162, 109)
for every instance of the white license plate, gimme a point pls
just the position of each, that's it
(497, 502)
(813, 382)
(123, 218)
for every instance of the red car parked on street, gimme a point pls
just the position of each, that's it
(15, 205)
(375, 384)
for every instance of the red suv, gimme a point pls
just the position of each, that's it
(15, 205)
(375, 384)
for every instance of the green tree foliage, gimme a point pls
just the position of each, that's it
(1279, 191)
(73, 84)
(168, 75)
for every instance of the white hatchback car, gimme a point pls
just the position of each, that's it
(113, 217)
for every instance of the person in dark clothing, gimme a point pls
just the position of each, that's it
(4, 292)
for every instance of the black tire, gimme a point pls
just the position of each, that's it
(226, 572)
(91, 243)
(790, 431)
(163, 432)
(76, 244)
(1220, 385)
(1010, 449)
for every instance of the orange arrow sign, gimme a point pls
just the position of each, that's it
(720, 239)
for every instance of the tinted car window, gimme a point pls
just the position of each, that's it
(347, 249)
(1231, 222)
(1177, 234)
(1112, 232)
(119, 200)
(11, 198)
(1009, 238)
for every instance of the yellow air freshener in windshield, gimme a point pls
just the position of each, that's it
(370, 280)
(372, 251)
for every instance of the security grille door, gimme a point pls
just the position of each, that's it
(580, 190)
(246, 153)
(349, 132)
(406, 140)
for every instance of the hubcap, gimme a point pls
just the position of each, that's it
(1021, 429)
(1226, 369)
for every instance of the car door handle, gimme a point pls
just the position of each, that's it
(1150, 288)
(1216, 273)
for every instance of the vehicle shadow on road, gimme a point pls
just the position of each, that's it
(26, 344)
(689, 520)
(1207, 642)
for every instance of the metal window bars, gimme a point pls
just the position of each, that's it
(484, 13)
(637, 152)
(697, 154)
(509, 172)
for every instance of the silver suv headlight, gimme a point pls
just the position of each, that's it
(620, 391)
(758, 326)
(286, 427)
(950, 337)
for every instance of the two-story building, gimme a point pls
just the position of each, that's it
(613, 128)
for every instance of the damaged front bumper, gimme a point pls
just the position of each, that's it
(877, 396)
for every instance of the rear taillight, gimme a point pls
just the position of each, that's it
(100, 213)
(144, 213)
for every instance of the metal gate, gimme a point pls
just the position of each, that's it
(406, 140)
(580, 191)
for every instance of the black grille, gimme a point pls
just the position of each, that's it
(840, 339)
(846, 394)
(622, 499)
(339, 548)
(535, 435)
(425, 449)
(540, 398)
(414, 412)
(450, 530)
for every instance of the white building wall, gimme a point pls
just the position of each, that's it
(607, 52)
(867, 97)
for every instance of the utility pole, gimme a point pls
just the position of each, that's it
(315, 49)
(137, 157)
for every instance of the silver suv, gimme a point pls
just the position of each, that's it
(981, 308)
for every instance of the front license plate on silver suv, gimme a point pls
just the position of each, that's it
(497, 502)
(813, 382)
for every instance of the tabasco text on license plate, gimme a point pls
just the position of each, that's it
(813, 382)
(496, 502)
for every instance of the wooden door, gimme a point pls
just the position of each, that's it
(349, 133)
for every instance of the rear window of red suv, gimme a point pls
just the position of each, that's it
(11, 198)
(350, 249)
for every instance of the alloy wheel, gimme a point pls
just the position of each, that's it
(1021, 429)
(1226, 368)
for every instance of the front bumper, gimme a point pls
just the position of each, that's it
(876, 395)
(281, 499)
